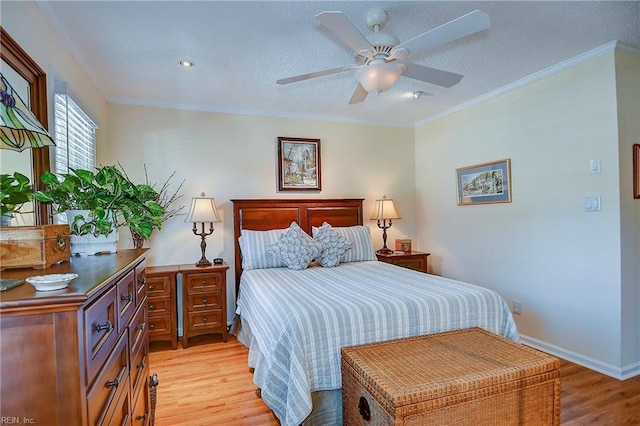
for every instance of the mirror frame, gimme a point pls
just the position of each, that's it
(24, 65)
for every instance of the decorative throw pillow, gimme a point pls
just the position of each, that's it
(334, 244)
(254, 245)
(362, 249)
(295, 248)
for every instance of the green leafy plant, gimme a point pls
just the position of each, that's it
(15, 190)
(112, 199)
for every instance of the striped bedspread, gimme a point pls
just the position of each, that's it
(299, 320)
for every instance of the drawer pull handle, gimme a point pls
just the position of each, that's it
(142, 417)
(204, 282)
(151, 287)
(151, 307)
(140, 366)
(363, 408)
(107, 326)
(204, 319)
(113, 383)
(142, 281)
(141, 327)
(152, 326)
(128, 297)
(204, 301)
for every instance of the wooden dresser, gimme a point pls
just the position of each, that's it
(77, 356)
(162, 304)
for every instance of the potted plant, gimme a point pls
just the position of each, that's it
(98, 203)
(15, 191)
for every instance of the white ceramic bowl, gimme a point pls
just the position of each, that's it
(51, 282)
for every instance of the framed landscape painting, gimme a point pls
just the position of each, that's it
(299, 164)
(484, 183)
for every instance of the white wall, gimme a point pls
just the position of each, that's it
(231, 156)
(542, 249)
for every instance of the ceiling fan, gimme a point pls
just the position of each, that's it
(381, 58)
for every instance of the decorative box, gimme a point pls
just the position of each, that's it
(465, 377)
(35, 247)
(403, 245)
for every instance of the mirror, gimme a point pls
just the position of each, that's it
(15, 57)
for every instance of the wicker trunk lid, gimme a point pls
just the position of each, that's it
(469, 377)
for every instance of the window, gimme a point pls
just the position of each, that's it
(74, 134)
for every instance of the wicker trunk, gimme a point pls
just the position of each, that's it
(466, 377)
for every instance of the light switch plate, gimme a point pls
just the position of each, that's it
(592, 204)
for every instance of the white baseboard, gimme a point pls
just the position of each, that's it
(620, 373)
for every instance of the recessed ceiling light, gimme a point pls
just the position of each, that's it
(187, 63)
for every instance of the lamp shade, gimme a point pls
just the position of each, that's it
(19, 128)
(385, 210)
(378, 77)
(203, 210)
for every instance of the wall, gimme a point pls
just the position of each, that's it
(542, 249)
(231, 156)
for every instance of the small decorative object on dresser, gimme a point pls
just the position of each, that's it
(415, 260)
(204, 301)
(384, 211)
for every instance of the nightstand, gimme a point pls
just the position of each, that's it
(415, 260)
(162, 304)
(204, 301)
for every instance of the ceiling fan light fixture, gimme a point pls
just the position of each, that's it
(376, 78)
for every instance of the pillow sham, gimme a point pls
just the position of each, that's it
(254, 245)
(335, 245)
(360, 236)
(295, 248)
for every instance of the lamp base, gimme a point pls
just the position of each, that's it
(384, 250)
(203, 262)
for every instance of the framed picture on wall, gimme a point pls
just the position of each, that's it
(299, 164)
(484, 183)
(636, 170)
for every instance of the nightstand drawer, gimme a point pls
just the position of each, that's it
(159, 306)
(204, 301)
(160, 325)
(205, 319)
(419, 264)
(204, 282)
(159, 286)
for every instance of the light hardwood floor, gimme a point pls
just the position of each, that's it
(209, 384)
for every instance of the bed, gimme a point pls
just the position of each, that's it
(295, 320)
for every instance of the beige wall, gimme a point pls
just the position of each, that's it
(230, 156)
(543, 249)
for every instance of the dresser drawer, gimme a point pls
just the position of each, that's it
(204, 282)
(204, 301)
(110, 383)
(142, 405)
(120, 411)
(141, 282)
(125, 300)
(100, 328)
(159, 286)
(160, 325)
(138, 329)
(139, 367)
(206, 319)
(159, 306)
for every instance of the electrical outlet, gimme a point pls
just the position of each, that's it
(516, 307)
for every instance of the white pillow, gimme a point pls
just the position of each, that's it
(335, 245)
(360, 236)
(254, 245)
(295, 248)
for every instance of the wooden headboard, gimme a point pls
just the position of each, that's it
(262, 215)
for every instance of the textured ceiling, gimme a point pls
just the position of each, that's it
(131, 49)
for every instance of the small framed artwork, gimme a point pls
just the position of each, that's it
(299, 164)
(636, 170)
(484, 183)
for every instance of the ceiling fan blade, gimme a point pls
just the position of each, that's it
(359, 95)
(461, 27)
(312, 75)
(344, 29)
(432, 75)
